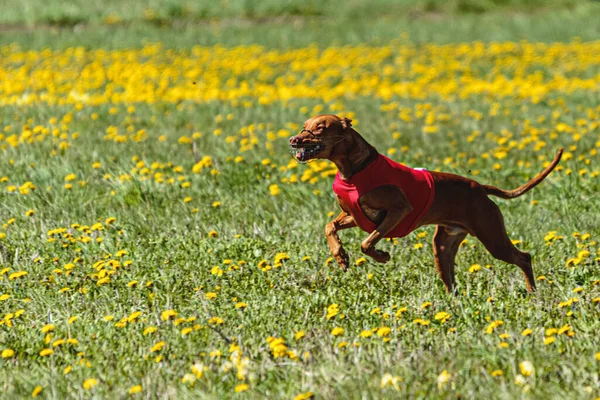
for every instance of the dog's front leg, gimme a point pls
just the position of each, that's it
(342, 221)
(393, 202)
(392, 219)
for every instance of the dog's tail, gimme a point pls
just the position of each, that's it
(511, 194)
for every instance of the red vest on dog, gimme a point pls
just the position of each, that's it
(417, 186)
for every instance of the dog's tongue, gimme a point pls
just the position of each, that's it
(300, 155)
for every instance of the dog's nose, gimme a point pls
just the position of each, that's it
(294, 140)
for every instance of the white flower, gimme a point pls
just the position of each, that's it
(389, 379)
(443, 379)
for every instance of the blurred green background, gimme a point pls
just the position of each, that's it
(117, 23)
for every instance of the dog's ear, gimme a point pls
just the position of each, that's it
(346, 123)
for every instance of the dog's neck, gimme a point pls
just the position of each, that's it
(354, 155)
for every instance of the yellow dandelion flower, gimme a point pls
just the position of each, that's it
(17, 275)
(337, 331)
(242, 387)
(442, 316)
(168, 314)
(400, 311)
(274, 190)
(304, 396)
(89, 383)
(149, 330)
(526, 368)
(549, 340)
(185, 331)
(376, 310)
(474, 268)
(360, 261)
(8, 353)
(384, 331)
(492, 326)
(422, 322)
(135, 389)
(366, 333)
(46, 352)
(38, 389)
(551, 331)
(157, 347)
(215, 321)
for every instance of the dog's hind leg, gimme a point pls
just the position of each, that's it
(342, 221)
(488, 226)
(446, 242)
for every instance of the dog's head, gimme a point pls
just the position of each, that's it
(319, 137)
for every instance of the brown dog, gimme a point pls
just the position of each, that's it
(460, 206)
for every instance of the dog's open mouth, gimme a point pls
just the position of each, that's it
(305, 151)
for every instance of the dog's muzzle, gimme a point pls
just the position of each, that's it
(304, 151)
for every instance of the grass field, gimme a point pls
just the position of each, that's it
(158, 241)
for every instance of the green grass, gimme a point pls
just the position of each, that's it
(543, 26)
(73, 12)
(172, 256)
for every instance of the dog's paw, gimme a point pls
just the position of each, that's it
(343, 260)
(381, 256)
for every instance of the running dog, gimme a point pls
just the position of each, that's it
(388, 199)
